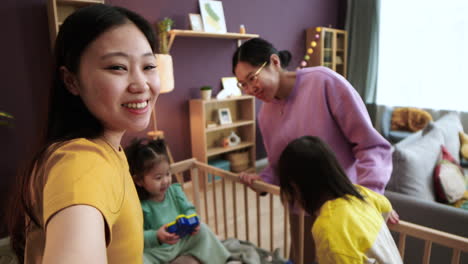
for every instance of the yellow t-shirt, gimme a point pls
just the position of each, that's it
(353, 231)
(89, 172)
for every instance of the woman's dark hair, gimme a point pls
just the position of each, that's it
(142, 156)
(310, 174)
(256, 51)
(68, 117)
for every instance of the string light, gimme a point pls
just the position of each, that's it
(310, 50)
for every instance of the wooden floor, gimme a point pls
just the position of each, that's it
(224, 222)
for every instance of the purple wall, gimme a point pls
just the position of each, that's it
(26, 62)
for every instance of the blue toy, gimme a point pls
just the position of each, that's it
(183, 225)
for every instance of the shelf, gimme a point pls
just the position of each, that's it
(235, 124)
(59, 10)
(234, 98)
(79, 2)
(201, 34)
(220, 150)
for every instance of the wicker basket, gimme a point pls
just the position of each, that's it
(239, 161)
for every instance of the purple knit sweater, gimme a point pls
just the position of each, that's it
(324, 104)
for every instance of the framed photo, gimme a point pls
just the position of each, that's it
(230, 88)
(224, 116)
(196, 22)
(213, 16)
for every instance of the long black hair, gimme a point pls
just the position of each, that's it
(257, 51)
(68, 117)
(142, 156)
(310, 174)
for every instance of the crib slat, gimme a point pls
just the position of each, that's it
(286, 225)
(246, 214)
(259, 239)
(223, 181)
(180, 180)
(427, 252)
(205, 195)
(301, 237)
(213, 184)
(402, 244)
(271, 222)
(195, 187)
(234, 200)
(456, 256)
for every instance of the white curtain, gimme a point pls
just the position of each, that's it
(423, 54)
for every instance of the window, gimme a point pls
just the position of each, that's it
(423, 54)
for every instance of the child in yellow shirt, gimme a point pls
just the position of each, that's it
(350, 225)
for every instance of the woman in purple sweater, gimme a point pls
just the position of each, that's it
(312, 101)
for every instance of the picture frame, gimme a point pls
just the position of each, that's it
(196, 23)
(212, 16)
(230, 88)
(224, 115)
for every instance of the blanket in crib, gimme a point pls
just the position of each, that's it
(247, 253)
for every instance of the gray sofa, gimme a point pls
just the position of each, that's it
(410, 189)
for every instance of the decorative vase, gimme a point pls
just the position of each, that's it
(165, 72)
(205, 94)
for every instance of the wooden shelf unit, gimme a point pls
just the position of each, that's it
(58, 10)
(200, 34)
(331, 50)
(206, 142)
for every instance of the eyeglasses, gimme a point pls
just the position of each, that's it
(252, 78)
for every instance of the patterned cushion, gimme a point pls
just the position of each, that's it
(449, 182)
(450, 125)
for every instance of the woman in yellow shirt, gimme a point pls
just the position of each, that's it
(350, 225)
(77, 197)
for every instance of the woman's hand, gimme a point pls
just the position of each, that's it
(393, 218)
(166, 237)
(249, 178)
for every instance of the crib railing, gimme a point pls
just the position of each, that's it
(458, 244)
(233, 210)
(219, 204)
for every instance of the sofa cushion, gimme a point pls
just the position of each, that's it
(450, 125)
(414, 163)
(449, 180)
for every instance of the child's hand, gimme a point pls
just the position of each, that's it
(166, 237)
(196, 230)
(393, 218)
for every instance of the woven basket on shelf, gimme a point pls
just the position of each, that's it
(239, 161)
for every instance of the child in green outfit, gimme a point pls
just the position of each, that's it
(162, 202)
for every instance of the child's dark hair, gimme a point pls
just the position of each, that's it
(256, 51)
(310, 174)
(142, 156)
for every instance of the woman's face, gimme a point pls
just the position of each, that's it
(117, 79)
(260, 82)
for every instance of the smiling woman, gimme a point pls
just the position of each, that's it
(78, 184)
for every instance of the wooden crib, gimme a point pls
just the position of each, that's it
(233, 210)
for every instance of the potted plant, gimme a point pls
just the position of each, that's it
(164, 60)
(164, 26)
(206, 92)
